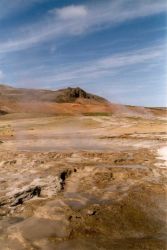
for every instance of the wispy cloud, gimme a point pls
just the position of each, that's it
(2, 75)
(148, 58)
(71, 12)
(78, 19)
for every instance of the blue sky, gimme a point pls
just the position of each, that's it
(114, 48)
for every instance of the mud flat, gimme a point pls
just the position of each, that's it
(82, 182)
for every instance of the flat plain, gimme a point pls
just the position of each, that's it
(82, 182)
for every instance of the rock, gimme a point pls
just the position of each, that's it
(28, 194)
(3, 112)
(64, 175)
(91, 212)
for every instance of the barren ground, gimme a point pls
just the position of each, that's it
(82, 182)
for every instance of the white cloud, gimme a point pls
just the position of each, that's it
(72, 12)
(2, 75)
(62, 22)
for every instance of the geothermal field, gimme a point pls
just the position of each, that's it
(80, 173)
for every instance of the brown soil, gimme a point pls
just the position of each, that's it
(82, 182)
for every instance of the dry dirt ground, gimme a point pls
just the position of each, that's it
(82, 182)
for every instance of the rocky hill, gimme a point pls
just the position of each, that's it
(64, 101)
(68, 100)
(67, 95)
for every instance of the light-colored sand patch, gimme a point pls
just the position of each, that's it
(162, 154)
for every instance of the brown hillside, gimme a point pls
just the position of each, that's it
(64, 101)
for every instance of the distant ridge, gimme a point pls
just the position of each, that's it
(66, 95)
(71, 101)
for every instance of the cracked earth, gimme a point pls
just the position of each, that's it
(82, 182)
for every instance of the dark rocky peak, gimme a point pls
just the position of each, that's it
(77, 93)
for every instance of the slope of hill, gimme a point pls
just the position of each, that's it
(68, 95)
(69, 100)
(63, 101)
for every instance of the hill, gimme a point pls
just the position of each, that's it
(63, 101)
(67, 95)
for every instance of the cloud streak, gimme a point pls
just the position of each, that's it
(2, 75)
(79, 19)
(105, 66)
